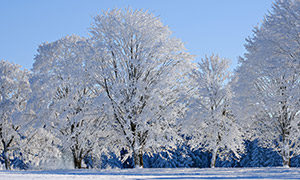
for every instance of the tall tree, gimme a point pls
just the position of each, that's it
(142, 70)
(268, 80)
(14, 91)
(63, 97)
(214, 128)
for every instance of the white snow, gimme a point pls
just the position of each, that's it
(215, 173)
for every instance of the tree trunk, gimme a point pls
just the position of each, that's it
(286, 160)
(138, 159)
(6, 158)
(77, 163)
(214, 158)
(77, 160)
(141, 160)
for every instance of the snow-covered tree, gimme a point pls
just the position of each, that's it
(63, 97)
(268, 80)
(142, 70)
(40, 149)
(210, 120)
(14, 91)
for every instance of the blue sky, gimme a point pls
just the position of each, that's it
(206, 26)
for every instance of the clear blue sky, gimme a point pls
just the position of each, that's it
(206, 26)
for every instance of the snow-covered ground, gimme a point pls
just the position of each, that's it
(216, 173)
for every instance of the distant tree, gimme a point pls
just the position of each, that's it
(210, 120)
(63, 98)
(14, 91)
(268, 81)
(141, 69)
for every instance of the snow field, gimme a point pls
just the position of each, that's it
(214, 173)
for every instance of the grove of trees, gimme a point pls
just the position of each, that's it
(130, 95)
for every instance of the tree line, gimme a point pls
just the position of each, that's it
(132, 87)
